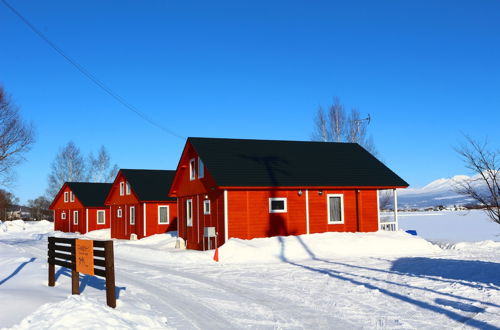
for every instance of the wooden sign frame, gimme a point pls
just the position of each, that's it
(62, 252)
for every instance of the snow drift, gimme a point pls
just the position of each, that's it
(324, 245)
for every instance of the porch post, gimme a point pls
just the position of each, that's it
(378, 210)
(396, 225)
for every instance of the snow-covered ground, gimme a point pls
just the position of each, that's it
(451, 226)
(332, 280)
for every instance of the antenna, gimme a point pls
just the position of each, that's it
(358, 122)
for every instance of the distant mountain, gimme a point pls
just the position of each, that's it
(438, 192)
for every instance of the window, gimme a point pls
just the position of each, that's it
(119, 213)
(335, 208)
(63, 215)
(192, 169)
(65, 197)
(189, 213)
(127, 188)
(75, 217)
(132, 215)
(277, 205)
(163, 214)
(71, 196)
(206, 206)
(101, 217)
(122, 188)
(201, 169)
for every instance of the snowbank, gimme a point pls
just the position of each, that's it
(474, 246)
(80, 312)
(325, 245)
(16, 226)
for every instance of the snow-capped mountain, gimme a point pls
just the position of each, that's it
(438, 192)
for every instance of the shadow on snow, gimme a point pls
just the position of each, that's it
(91, 281)
(345, 276)
(461, 270)
(17, 270)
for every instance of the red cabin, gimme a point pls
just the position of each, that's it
(260, 188)
(79, 207)
(139, 203)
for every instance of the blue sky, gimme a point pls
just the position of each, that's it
(426, 71)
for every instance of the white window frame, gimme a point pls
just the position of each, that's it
(192, 169)
(206, 203)
(63, 215)
(330, 222)
(66, 199)
(71, 196)
(168, 215)
(103, 217)
(127, 188)
(189, 213)
(201, 169)
(131, 215)
(119, 213)
(75, 217)
(122, 188)
(272, 199)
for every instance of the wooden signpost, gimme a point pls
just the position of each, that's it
(94, 258)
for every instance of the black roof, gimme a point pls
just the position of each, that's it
(150, 185)
(89, 193)
(268, 163)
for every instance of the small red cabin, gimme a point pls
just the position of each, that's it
(260, 188)
(79, 207)
(139, 203)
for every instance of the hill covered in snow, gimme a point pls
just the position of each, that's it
(438, 192)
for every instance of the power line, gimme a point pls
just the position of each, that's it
(89, 75)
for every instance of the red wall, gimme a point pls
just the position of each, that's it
(67, 225)
(194, 235)
(249, 217)
(121, 227)
(248, 209)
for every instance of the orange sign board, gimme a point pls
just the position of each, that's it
(85, 256)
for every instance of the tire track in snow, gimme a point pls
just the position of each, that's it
(188, 312)
(279, 308)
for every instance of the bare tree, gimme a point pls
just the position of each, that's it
(99, 168)
(68, 165)
(40, 208)
(16, 137)
(484, 186)
(336, 126)
(337, 120)
(321, 133)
